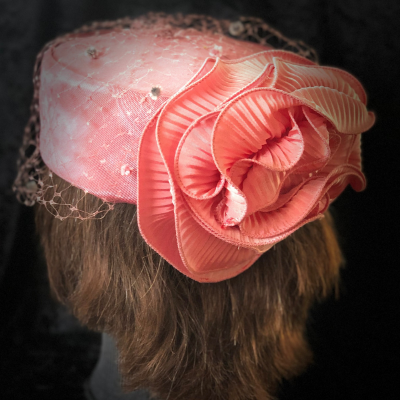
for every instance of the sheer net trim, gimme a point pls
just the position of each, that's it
(34, 181)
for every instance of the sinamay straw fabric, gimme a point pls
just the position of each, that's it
(226, 147)
(33, 183)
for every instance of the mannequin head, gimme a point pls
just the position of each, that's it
(233, 339)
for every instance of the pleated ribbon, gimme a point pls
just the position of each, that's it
(246, 153)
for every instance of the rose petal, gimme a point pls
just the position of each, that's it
(195, 169)
(209, 258)
(260, 185)
(320, 207)
(345, 113)
(207, 66)
(316, 143)
(342, 176)
(343, 145)
(232, 208)
(292, 180)
(156, 218)
(283, 198)
(263, 225)
(290, 77)
(283, 153)
(286, 56)
(246, 124)
(266, 66)
(317, 122)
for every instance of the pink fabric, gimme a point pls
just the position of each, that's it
(95, 99)
(222, 163)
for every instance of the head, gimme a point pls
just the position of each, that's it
(235, 339)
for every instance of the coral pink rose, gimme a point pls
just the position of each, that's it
(249, 151)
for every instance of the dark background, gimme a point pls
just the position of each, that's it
(45, 354)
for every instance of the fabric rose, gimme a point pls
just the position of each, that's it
(245, 154)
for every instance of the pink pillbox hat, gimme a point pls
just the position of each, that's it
(226, 146)
(96, 97)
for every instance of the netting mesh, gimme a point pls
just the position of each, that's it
(36, 183)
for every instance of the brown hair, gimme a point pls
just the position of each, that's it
(182, 339)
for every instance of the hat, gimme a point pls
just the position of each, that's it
(225, 146)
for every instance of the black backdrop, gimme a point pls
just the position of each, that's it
(45, 354)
